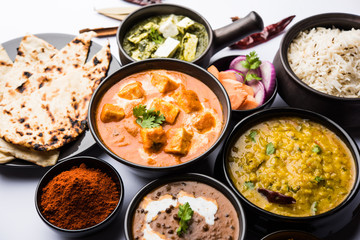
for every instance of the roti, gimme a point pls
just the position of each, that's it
(32, 53)
(48, 109)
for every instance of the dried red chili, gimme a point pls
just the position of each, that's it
(79, 198)
(268, 33)
(275, 197)
(143, 2)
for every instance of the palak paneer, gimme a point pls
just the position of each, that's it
(166, 36)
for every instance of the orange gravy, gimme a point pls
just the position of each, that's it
(123, 137)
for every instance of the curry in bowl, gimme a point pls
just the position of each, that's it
(166, 36)
(292, 166)
(159, 118)
(186, 210)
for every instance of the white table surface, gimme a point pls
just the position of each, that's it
(18, 217)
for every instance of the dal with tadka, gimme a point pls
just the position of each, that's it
(292, 167)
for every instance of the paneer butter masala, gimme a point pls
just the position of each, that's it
(159, 118)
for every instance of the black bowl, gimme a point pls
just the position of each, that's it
(296, 93)
(185, 177)
(222, 64)
(290, 234)
(322, 225)
(168, 64)
(218, 39)
(65, 165)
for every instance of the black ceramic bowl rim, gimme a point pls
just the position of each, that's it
(185, 177)
(346, 138)
(306, 24)
(280, 232)
(222, 135)
(164, 5)
(266, 103)
(83, 230)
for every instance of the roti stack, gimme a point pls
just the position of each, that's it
(44, 96)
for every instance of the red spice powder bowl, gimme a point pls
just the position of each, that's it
(79, 196)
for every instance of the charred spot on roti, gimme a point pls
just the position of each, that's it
(73, 122)
(27, 74)
(38, 147)
(40, 134)
(21, 88)
(27, 125)
(61, 129)
(21, 120)
(19, 52)
(96, 61)
(7, 112)
(66, 137)
(49, 69)
(59, 69)
(76, 65)
(2, 63)
(54, 140)
(29, 133)
(40, 86)
(20, 133)
(76, 41)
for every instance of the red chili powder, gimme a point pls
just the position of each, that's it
(79, 198)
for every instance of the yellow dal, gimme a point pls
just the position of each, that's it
(309, 163)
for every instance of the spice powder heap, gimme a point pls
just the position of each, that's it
(79, 198)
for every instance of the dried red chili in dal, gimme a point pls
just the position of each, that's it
(79, 198)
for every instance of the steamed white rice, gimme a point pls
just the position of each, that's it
(328, 60)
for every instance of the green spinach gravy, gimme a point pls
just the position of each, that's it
(166, 36)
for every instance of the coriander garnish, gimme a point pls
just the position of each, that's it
(316, 149)
(252, 135)
(185, 213)
(249, 184)
(148, 118)
(252, 62)
(319, 179)
(155, 35)
(270, 149)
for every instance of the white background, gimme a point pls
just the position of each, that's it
(18, 217)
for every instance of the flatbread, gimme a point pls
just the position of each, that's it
(5, 62)
(32, 53)
(55, 113)
(10, 151)
(5, 66)
(35, 58)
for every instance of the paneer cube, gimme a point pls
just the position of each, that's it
(188, 100)
(153, 138)
(204, 122)
(167, 48)
(179, 141)
(132, 91)
(169, 110)
(111, 113)
(189, 44)
(185, 23)
(168, 28)
(163, 83)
